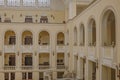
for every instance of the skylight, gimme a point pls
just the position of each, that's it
(24, 3)
(13, 2)
(29, 2)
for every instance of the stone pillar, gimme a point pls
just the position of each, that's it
(72, 9)
(18, 76)
(1, 76)
(35, 75)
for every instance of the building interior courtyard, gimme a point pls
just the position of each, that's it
(59, 40)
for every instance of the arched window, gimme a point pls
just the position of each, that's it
(60, 38)
(75, 36)
(108, 29)
(82, 35)
(27, 38)
(10, 38)
(92, 33)
(44, 38)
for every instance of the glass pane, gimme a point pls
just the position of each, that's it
(24, 76)
(29, 2)
(44, 3)
(1, 2)
(29, 75)
(6, 76)
(13, 2)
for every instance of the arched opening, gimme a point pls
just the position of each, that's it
(27, 38)
(92, 33)
(44, 38)
(75, 36)
(108, 29)
(10, 38)
(82, 35)
(60, 38)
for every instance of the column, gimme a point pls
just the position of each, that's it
(72, 9)
(18, 75)
(1, 76)
(35, 75)
(78, 68)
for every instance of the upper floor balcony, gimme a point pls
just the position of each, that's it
(60, 61)
(27, 61)
(60, 42)
(44, 42)
(9, 41)
(9, 61)
(92, 51)
(108, 55)
(44, 61)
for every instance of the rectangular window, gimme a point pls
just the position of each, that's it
(29, 2)
(28, 61)
(13, 2)
(44, 3)
(12, 60)
(30, 75)
(7, 20)
(1, 2)
(6, 76)
(28, 40)
(24, 76)
(12, 76)
(12, 40)
(43, 19)
(28, 19)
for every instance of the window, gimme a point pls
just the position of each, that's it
(60, 74)
(44, 3)
(12, 60)
(108, 29)
(12, 40)
(24, 76)
(29, 2)
(10, 76)
(43, 19)
(1, 2)
(28, 19)
(7, 20)
(28, 40)
(28, 61)
(13, 2)
(29, 75)
(6, 76)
